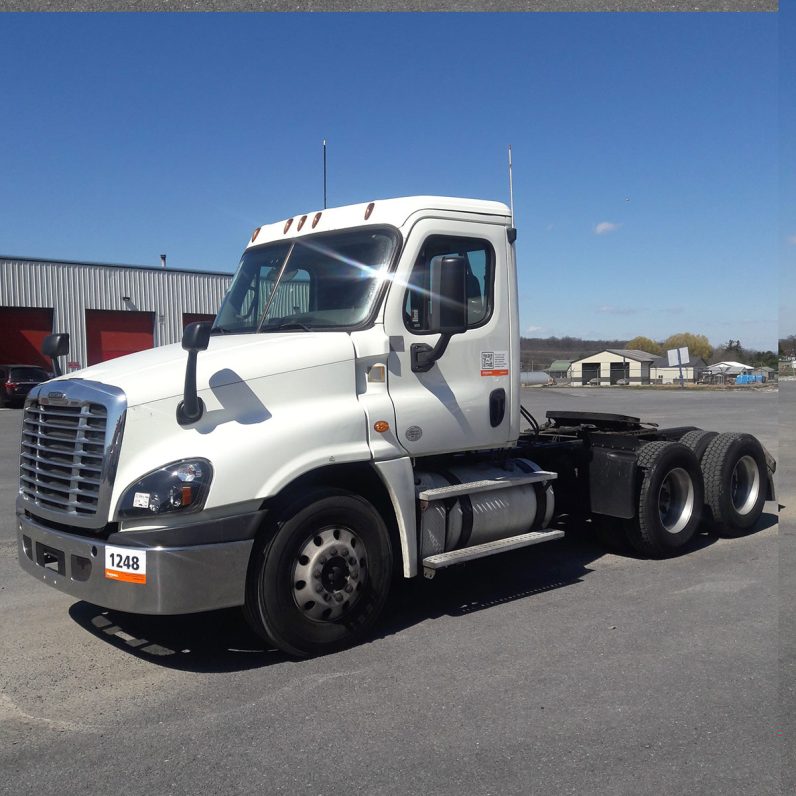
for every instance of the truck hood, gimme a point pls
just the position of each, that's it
(160, 372)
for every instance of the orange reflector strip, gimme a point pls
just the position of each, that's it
(255, 234)
(381, 426)
(187, 495)
(301, 223)
(287, 225)
(316, 220)
(128, 577)
(369, 210)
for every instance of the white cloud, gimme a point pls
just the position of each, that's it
(532, 329)
(604, 227)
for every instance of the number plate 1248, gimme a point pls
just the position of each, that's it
(125, 563)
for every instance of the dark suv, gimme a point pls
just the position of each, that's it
(16, 381)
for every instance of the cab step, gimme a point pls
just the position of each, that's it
(487, 485)
(433, 563)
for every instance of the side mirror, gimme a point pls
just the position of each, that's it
(54, 346)
(448, 310)
(449, 296)
(195, 338)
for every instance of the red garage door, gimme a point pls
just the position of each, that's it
(22, 330)
(195, 317)
(111, 334)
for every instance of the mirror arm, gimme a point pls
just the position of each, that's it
(192, 407)
(424, 356)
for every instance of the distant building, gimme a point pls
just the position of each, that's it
(768, 374)
(108, 310)
(559, 369)
(612, 366)
(725, 372)
(661, 372)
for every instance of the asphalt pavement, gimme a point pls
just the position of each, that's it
(559, 669)
(787, 580)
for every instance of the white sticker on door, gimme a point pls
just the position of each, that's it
(494, 363)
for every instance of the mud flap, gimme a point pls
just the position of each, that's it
(612, 482)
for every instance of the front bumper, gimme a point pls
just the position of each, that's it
(179, 580)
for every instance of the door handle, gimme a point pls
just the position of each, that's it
(497, 407)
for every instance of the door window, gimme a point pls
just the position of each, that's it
(480, 258)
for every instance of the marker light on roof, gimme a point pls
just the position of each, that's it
(301, 223)
(255, 234)
(316, 220)
(287, 225)
(369, 210)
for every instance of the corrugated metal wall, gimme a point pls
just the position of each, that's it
(72, 288)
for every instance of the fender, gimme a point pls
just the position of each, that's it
(398, 478)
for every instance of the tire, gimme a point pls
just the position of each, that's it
(698, 441)
(734, 468)
(318, 582)
(670, 499)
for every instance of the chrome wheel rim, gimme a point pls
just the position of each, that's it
(745, 484)
(676, 500)
(329, 574)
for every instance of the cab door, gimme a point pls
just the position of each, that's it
(463, 401)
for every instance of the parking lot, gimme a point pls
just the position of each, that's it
(556, 669)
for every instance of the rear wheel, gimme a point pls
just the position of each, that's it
(734, 467)
(669, 500)
(698, 441)
(319, 582)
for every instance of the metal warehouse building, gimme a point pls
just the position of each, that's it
(108, 310)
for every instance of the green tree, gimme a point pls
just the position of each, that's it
(698, 345)
(642, 343)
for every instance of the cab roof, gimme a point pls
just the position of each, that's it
(394, 212)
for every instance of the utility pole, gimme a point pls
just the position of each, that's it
(324, 174)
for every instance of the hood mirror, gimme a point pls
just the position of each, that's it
(54, 346)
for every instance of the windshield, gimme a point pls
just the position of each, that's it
(326, 281)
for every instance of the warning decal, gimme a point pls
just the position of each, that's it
(494, 363)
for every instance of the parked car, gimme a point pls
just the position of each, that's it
(16, 381)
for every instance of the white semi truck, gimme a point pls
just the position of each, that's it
(352, 415)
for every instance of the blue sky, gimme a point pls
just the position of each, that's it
(646, 147)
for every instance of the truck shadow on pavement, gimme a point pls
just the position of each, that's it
(221, 641)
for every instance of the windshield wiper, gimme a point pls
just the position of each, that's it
(228, 330)
(293, 325)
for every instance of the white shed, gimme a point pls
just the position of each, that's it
(613, 366)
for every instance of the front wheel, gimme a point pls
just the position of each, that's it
(670, 499)
(319, 581)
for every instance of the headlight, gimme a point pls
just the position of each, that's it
(180, 486)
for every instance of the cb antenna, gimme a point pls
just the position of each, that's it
(512, 229)
(324, 174)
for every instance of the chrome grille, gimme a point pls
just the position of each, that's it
(71, 437)
(63, 450)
